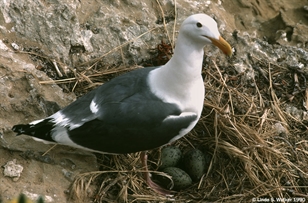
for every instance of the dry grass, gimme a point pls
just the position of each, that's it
(260, 161)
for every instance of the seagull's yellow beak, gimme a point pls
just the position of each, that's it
(223, 45)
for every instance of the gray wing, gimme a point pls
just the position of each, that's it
(122, 116)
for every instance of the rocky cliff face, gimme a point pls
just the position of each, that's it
(71, 33)
(63, 28)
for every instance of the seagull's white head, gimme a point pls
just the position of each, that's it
(202, 29)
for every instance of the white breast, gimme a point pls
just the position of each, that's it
(188, 95)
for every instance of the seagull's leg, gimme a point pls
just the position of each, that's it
(151, 184)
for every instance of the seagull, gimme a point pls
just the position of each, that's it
(142, 109)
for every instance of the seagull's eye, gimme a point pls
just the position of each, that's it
(199, 24)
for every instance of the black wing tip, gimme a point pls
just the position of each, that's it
(20, 128)
(42, 129)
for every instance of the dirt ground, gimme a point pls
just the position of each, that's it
(278, 22)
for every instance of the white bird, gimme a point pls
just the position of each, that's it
(142, 109)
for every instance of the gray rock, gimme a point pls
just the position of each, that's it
(60, 27)
(12, 170)
(24, 99)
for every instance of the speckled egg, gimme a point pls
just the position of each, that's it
(170, 156)
(181, 179)
(194, 163)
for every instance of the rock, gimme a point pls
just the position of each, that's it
(22, 94)
(90, 29)
(12, 170)
(295, 112)
(45, 179)
(24, 99)
(280, 129)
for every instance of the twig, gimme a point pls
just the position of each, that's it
(226, 86)
(175, 16)
(164, 20)
(274, 97)
(108, 72)
(57, 68)
(49, 149)
(263, 118)
(57, 81)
